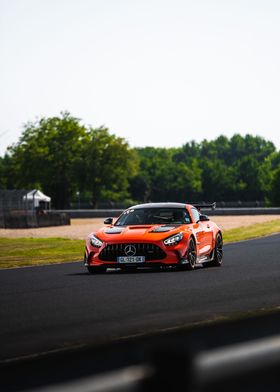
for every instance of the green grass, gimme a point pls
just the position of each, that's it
(19, 252)
(252, 231)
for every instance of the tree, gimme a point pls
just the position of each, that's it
(274, 164)
(139, 187)
(255, 178)
(2, 174)
(7, 172)
(46, 155)
(219, 180)
(108, 164)
(61, 156)
(236, 168)
(166, 177)
(275, 188)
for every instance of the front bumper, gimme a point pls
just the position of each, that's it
(155, 254)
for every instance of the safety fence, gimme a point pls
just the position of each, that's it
(18, 210)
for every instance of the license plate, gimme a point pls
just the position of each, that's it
(131, 259)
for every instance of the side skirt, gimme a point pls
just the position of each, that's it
(200, 259)
(205, 259)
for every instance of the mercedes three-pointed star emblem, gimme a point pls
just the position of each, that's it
(130, 250)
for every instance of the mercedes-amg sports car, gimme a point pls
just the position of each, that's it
(156, 235)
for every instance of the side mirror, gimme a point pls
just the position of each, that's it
(108, 221)
(203, 218)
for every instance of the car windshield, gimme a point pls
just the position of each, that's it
(153, 216)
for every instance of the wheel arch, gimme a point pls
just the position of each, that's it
(215, 234)
(192, 236)
(219, 232)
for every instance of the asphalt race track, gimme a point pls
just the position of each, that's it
(55, 307)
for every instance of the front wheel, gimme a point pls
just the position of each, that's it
(190, 258)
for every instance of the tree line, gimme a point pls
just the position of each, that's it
(66, 160)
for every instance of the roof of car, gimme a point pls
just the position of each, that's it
(159, 205)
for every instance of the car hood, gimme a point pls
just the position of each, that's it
(137, 233)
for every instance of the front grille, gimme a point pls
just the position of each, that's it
(150, 251)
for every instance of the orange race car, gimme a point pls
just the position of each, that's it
(156, 235)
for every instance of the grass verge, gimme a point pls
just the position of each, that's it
(252, 231)
(19, 252)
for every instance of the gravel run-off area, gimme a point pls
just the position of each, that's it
(80, 228)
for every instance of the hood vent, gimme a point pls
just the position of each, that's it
(139, 227)
(113, 230)
(163, 229)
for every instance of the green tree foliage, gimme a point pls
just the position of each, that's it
(239, 168)
(2, 174)
(62, 157)
(46, 155)
(274, 163)
(7, 172)
(163, 177)
(107, 165)
(275, 189)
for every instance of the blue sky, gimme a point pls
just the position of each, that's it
(155, 72)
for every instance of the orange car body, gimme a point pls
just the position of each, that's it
(155, 234)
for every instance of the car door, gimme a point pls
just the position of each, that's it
(207, 237)
(202, 232)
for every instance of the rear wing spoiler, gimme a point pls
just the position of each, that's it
(200, 206)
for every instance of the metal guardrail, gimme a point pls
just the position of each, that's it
(104, 213)
(98, 213)
(245, 211)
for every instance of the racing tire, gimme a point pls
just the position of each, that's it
(96, 270)
(191, 255)
(218, 251)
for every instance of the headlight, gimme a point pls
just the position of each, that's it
(95, 241)
(174, 239)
